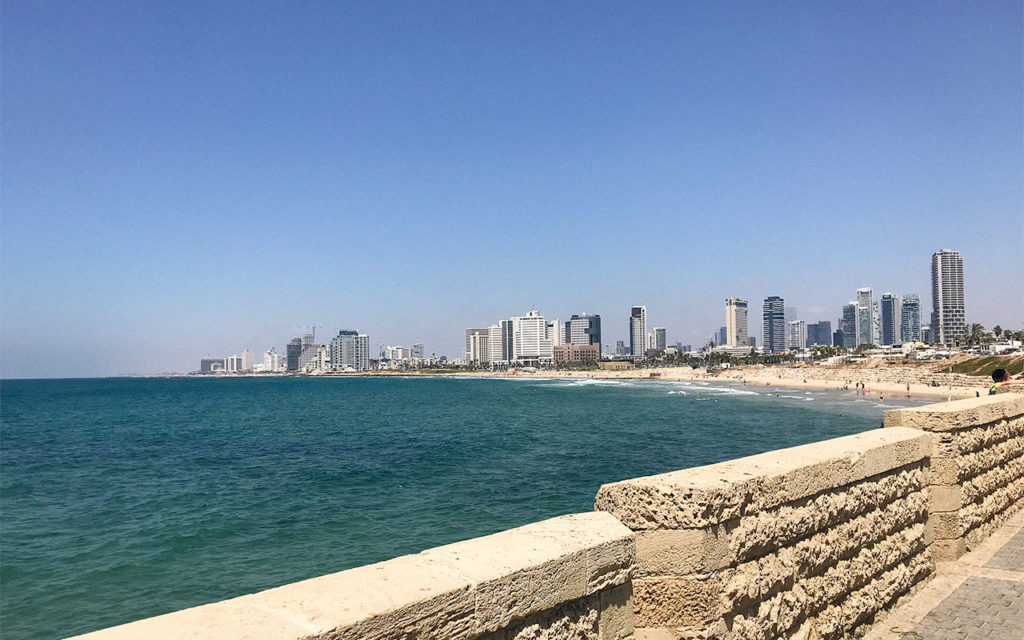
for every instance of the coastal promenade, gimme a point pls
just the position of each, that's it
(976, 597)
(913, 528)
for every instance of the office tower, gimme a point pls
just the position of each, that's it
(819, 333)
(790, 314)
(797, 338)
(209, 365)
(417, 350)
(529, 338)
(292, 353)
(890, 319)
(837, 338)
(735, 322)
(247, 360)
(657, 338)
(910, 318)
(555, 332)
(752, 342)
(849, 325)
(637, 331)
(721, 336)
(948, 320)
(865, 318)
(773, 325)
(927, 335)
(620, 348)
(307, 340)
(478, 346)
(583, 328)
(350, 350)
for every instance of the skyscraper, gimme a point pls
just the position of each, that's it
(292, 352)
(819, 333)
(890, 319)
(849, 325)
(735, 322)
(797, 338)
(478, 346)
(721, 337)
(499, 338)
(583, 328)
(529, 338)
(657, 338)
(948, 321)
(637, 331)
(866, 317)
(350, 350)
(773, 325)
(910, 318)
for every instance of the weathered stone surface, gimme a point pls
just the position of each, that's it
(616, 619)
(458, 591)
(573, 621)
(959, 414)
(677, 602)
(715, 494)
(773, 529)
(681, 552)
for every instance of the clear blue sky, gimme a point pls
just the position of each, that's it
(182, 180)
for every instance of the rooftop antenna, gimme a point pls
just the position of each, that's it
(315, 327)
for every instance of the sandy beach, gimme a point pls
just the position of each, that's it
(890, 380)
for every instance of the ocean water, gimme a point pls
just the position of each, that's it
(127, 498)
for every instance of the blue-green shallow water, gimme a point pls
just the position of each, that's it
(127, 498)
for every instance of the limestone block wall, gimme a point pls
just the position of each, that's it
(563, 578)
(977, 466)
(812, 541)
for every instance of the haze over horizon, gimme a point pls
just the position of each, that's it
(183, 181)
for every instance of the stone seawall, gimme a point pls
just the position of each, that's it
(813, 542)
(977, 467)
(566, 577)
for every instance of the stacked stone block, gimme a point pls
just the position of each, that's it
(563, 578)
(812, 541)
(977, 467)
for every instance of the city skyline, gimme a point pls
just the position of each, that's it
(176, 186)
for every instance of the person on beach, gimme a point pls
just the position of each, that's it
(1001, 378)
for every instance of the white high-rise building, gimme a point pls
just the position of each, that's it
(529, 338)
(555, 332)
(637, 331)
(497, 351)
(796, 337)
(948, 315)
(583, 328)
(478, 346)
(735, 322)
(350, 350)
(247, 360)
(272, 361)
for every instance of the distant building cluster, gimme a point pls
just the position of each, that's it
(533, 340)
(347, 352)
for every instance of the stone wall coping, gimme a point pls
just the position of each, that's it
(958, 414)
(441, 592)
(714, 494)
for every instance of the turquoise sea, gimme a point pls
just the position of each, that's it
(127, 498)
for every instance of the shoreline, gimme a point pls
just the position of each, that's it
(909, 383)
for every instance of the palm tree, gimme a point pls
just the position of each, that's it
(997, 331)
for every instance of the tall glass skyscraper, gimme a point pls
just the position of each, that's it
(890, 319)
(910, 318)
(773, 324)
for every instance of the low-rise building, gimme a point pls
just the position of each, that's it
(577, 353)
